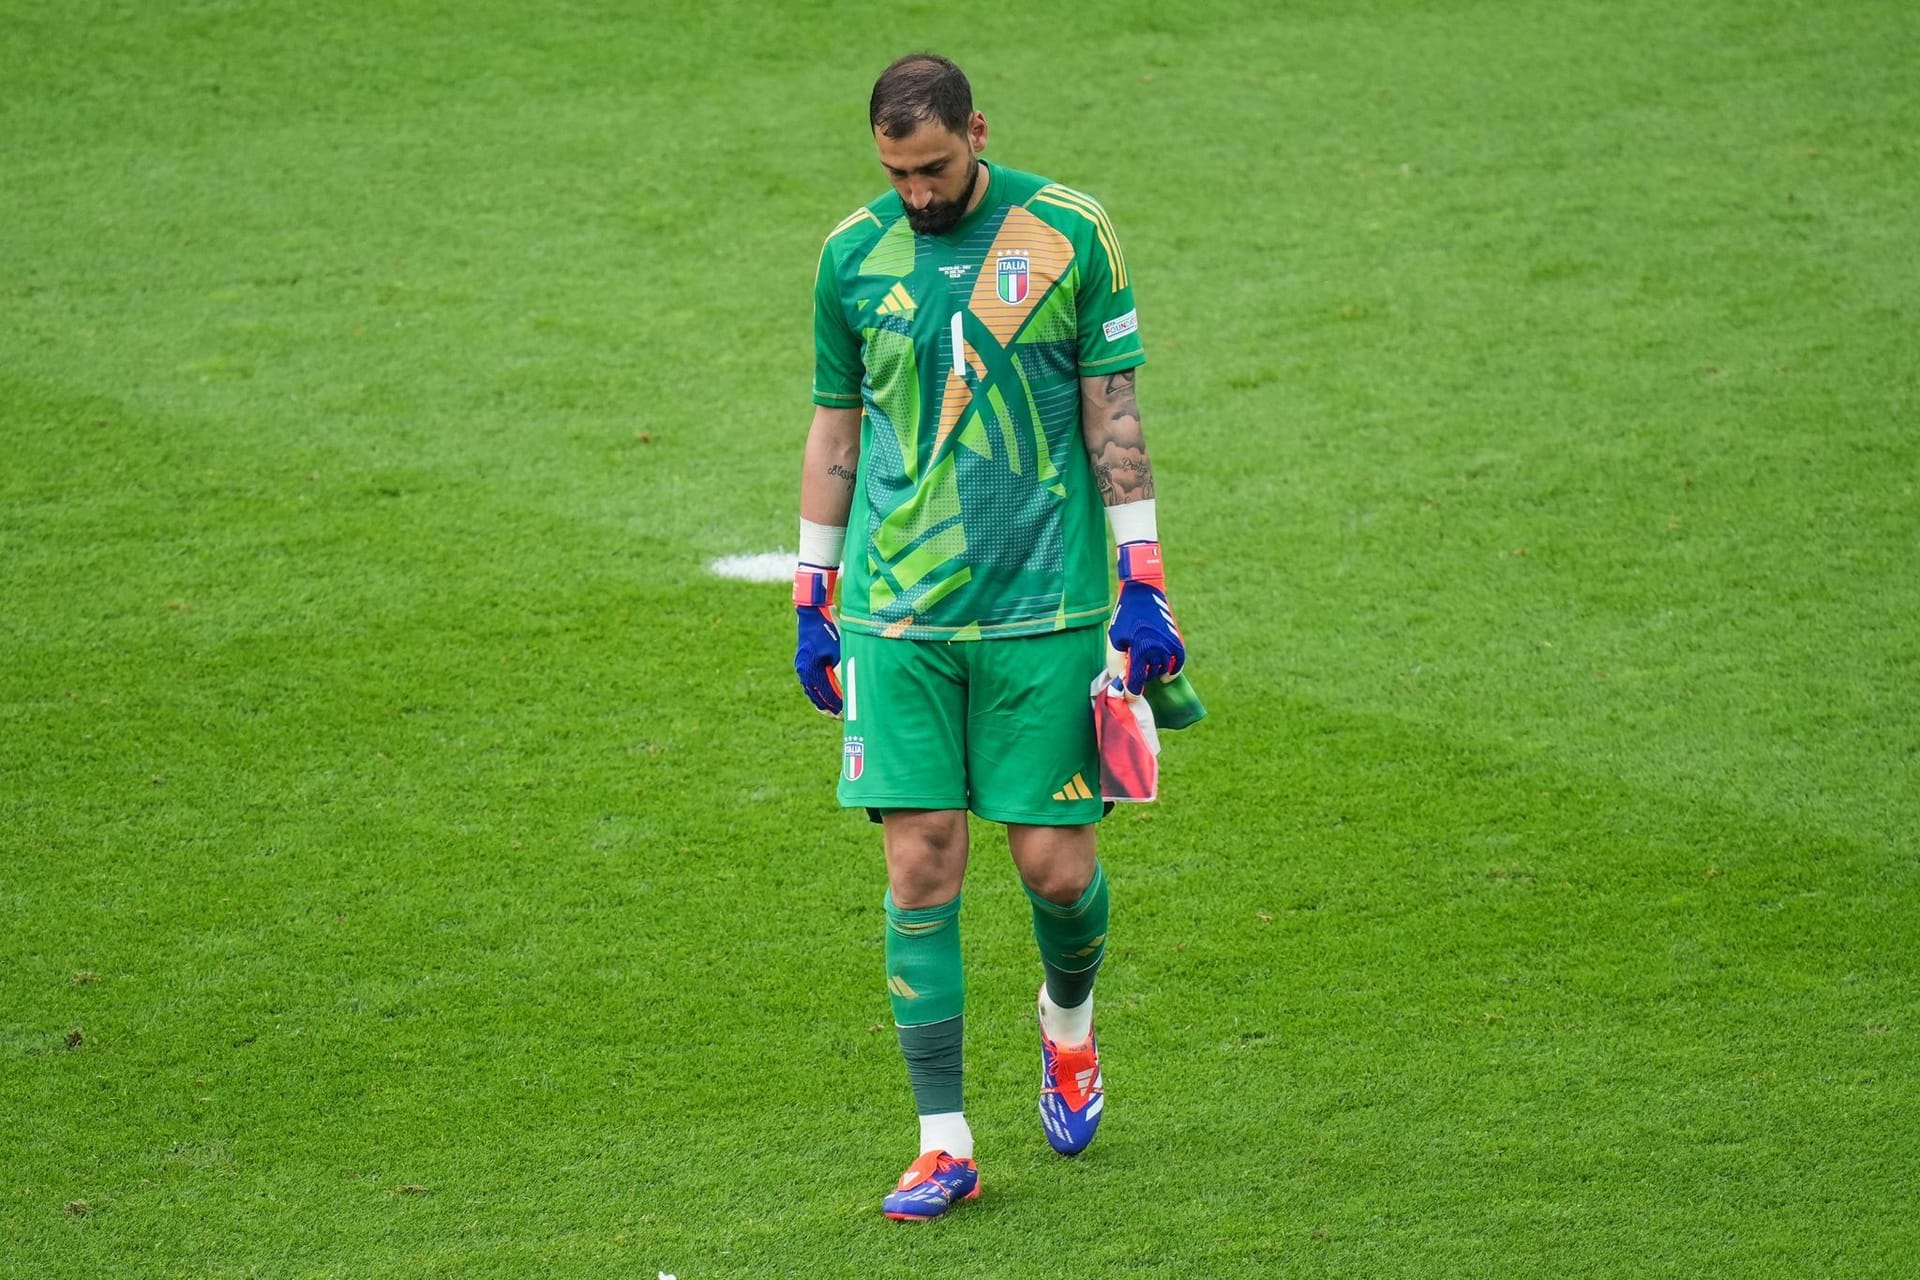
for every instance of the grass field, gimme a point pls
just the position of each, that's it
(413, 862)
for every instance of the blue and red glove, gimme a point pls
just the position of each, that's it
(818, 652)
(1143, 626)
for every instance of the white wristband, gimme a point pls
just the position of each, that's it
(822, 544)
(1133, 522)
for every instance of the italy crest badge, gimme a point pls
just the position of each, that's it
(1013, 279)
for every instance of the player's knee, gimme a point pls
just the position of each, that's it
(1056, 863)
(1060, 885)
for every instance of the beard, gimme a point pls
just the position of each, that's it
(938, 217)
(943, 215)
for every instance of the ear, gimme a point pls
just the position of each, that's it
(977, 132)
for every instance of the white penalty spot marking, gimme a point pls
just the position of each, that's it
(766, 566)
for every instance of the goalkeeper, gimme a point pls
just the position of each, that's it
(975, 426)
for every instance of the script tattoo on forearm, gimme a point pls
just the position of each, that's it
(1117, 445)
(835, 469)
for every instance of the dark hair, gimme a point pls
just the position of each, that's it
(918, 88)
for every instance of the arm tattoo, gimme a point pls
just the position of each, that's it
(1116, 445)
(835, 469)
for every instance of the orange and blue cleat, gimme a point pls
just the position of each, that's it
(1071, 1096)
(932, 1185)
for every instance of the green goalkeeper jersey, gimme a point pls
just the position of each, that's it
(974, 509)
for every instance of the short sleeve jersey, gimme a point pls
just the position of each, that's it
(974, 510)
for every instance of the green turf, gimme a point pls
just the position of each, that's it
(412, 862)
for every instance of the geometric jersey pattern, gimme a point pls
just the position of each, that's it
(973, 498)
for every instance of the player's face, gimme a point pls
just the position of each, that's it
(933, 169)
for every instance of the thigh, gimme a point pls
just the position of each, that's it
(1031, 756)
(904, 726)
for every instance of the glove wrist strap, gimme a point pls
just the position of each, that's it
(813, 587)
(1140, 562)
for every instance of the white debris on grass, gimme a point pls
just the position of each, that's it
(766, 566)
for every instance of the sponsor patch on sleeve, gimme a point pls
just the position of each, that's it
(1120, 326)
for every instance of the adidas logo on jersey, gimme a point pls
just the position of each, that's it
(898, 302)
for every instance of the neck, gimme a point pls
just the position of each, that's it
(978, 189)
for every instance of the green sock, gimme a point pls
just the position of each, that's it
(1072, 941)
(928, 989)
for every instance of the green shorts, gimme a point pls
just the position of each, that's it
(1001, 727)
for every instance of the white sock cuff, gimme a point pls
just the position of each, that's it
(946, 1131)
(1066, 1026)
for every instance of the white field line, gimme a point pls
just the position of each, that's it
(766, 566)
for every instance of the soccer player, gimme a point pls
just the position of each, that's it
(975, 352)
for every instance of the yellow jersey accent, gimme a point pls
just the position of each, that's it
(1067, 198)
(1087, 204)
(854, 217)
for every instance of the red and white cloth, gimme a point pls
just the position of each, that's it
(1129, 744)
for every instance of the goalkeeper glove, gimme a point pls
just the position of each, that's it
(818, 651)
(1143, 626)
